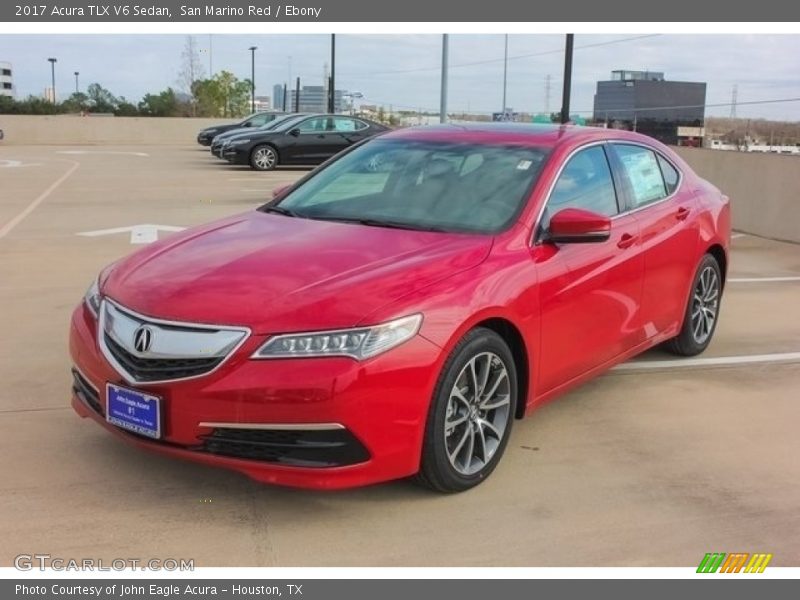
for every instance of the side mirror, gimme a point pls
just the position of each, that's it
(280, 190)
(578, 226)
(248, 124)
(295, 132)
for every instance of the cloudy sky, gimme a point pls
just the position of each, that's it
(403, 70)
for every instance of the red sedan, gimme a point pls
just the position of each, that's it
(393, 312)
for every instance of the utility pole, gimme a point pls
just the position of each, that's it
(284, 97)
(77, 89)
(297, 96)
(547, 95)
(253, 78)
(443, 97)
(53, 62)
(505, 76)
(734, 99)
(567, 78)
(332, 85)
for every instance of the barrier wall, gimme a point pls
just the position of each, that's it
(764, 188)
(71, 130)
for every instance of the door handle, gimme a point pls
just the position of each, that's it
(682, 213)
(626, 241)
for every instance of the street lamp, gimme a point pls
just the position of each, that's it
(53, 62)
(253, 78)
(352, 96)
(76, 82)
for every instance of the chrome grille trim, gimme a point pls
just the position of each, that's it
(173, 340)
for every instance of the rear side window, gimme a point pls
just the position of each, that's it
(643, 173)
(670, 173)
(585, 182)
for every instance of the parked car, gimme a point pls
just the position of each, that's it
(393, 312)
(310, 141)
(205, 137)
(220, 140)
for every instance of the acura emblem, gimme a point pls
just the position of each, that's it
(142, 338)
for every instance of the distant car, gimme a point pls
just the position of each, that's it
(206, 135)
(394, 312)
(310, 141)
(2, 135)
(219, 141)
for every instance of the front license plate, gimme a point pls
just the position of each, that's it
(133, 410)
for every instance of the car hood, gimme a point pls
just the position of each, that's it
(235, 132)
(274, 273)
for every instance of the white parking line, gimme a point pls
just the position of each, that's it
(716, 361)
(761, 279)
(6, 229)
(738, 235)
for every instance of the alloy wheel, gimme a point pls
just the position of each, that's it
(478, 411)
(264, 158)
(705, 304)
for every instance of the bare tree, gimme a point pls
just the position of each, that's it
(191, 68)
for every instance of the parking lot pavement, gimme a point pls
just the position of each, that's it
(651, 467)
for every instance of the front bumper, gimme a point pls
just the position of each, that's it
(226, 418)
(204, 139)
(237, 155)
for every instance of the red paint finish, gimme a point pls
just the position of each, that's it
(579, 308)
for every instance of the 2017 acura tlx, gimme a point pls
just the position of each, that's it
(392, 313)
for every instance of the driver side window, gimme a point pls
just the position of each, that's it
(585, 182)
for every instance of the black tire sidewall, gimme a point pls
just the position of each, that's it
(686, 331)
(434, 452)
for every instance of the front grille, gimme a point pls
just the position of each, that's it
(301, 448)
(159, 369)
(84, 390)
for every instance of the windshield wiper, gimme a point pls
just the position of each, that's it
(280, 211)
(377, 223)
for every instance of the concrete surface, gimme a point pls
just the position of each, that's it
(651, 468)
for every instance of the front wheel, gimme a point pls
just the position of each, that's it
(702, 310)
(471, 414)
(263, 158)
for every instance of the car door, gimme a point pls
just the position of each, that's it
(313, 138)
(589, 293)
(665, 211)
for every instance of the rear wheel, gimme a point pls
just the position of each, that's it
(263, 158)
(471, 414)
(702, 310)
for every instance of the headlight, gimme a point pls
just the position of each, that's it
(93, 298)
(210, 131)
(238, 142)
(359, 343)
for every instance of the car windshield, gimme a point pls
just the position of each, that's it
(279, 121)
(289, 122)
(441, 186)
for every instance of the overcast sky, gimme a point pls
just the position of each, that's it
(403, 70)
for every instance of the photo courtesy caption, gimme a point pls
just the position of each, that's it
(164, 591)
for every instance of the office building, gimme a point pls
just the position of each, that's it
(6, 80)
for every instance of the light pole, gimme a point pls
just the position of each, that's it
(443, 98)
(567, 79)
(77, 89)
(505, 77)
(53, 62)
(332, 85)
(253, 78)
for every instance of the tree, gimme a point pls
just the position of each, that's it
(191, 68)
(164, 104)
(101, 100)
(222, 96)
(76, 103)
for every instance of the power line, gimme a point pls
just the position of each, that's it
(517, 57)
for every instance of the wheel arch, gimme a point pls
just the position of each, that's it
(513, 337)
(718, 252)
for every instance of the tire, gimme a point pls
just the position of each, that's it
(460, 429)
(263, 158)
(702, 311)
